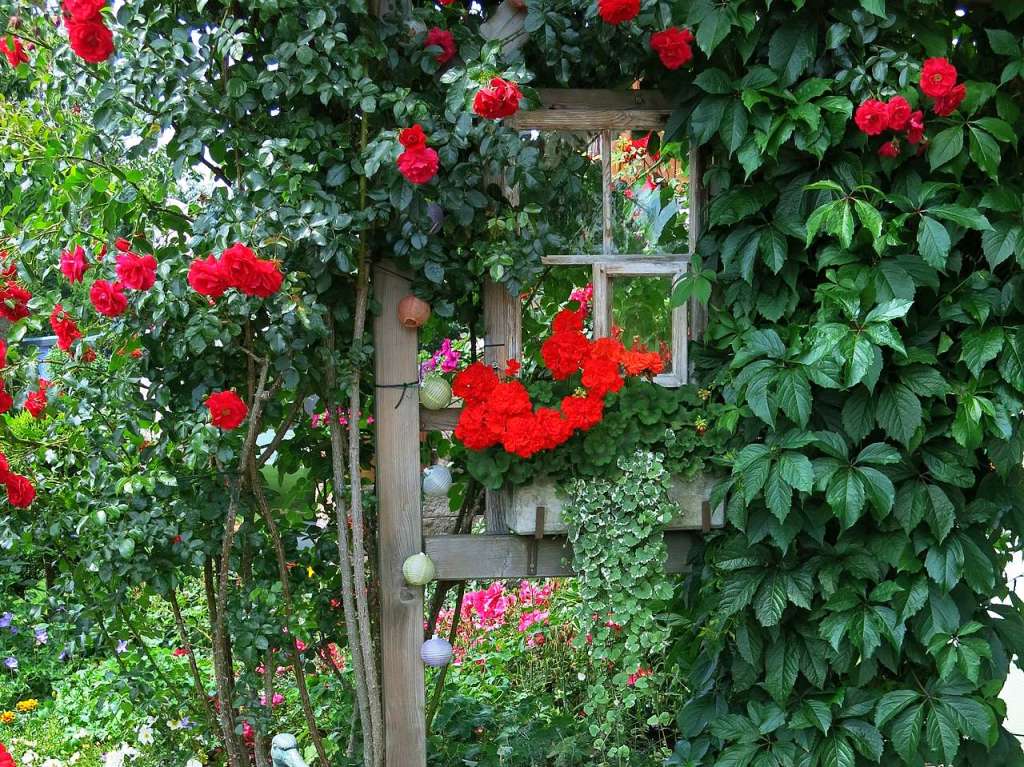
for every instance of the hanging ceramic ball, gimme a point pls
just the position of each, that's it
(418, 570)
(413, 312)
(437, 480)
(435, 392)
(436, 652)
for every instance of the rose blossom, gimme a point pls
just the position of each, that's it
(136, 272)
(915, 127)
(872, 117)
(497, 100)
(946, 105)
(418, 163)
(15, 55)
(618, 11)
(91, 40)
(20, 492)
(83, 9)
(207, 278)
(443, 39)
(938, 77)
(73, 264)
(673, 47)
(898, 113)
(108, 298)
(890, 149)
(227, 410)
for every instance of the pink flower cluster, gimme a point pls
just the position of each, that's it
(446, 359)
(488, 610)
(323, 419)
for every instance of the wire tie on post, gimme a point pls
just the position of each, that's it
(403, 386)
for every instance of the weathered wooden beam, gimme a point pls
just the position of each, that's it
(681, 259)
(400, 532)
(439, 420)
(571, 109)
(492, 557)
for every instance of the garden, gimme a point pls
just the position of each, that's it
(510, 383)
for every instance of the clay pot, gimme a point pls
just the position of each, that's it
(413, 312)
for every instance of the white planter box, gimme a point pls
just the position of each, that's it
(689, 495)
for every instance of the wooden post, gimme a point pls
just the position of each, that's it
(503, 341)
(698, 212)
(400, 526)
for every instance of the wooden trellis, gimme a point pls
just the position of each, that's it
(399, 421)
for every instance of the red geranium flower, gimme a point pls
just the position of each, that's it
(227, 410)
(915, 127)
(91, 39)
(521, 436)
(947, 104)
(108, 298)
(20, 492)
(499, 99)
(475, 382)
(136, 272)
(673, 46)
(872, 117)
(583, 412)
(506, 400)
(938, 77)
(563, 353)
(472, 431)
(14, 301)
(443, 39)
(898, 111)
(14, 53)
(601, 375)
(73, 264)
(618, 11)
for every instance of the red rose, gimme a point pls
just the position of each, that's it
(136, 272)
(65, 328)
(443, 39)
(5, 471)
(239, 265)
(618, 11)
(412, 138)
(583, 412)
(6, 760)
(108, 298)
(890, 149)
(915, 127)
(6, 400)
(91, 39)
(83, 9)
(14, 53)
(207, 278)
(20, 492)
(946, 105)
(673, 47)
(938, 77)
(227, 410)
(122, 244)
(3, 354)
(872, 117)
(265, 280)
(35, 402)
(499, 99)
(898, 111)
(512, 368)
(14, 302)
(474, 383)
(73, 264)
(418, 165)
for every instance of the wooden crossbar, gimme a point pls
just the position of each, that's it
(572, 109)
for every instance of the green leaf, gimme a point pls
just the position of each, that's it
(890, 704)
(970, 218)
(794, 394)
(1011, 363)
(846, 496)
(792, 49)
(980, 346)
(797, 470)
(906, 733)
(869, 217)
(942, 514)
(898, 412)
(836, 751)
(1004, 43)
(778, 496)
(734, 126)
(945, 146)
(1004, 240)
(877, 7)
(942, 734)
(715, 81)
(782, 665)
(773, 248)
(770, 601)
(985, 152)
(890, 310)
(933, 242)
(706, 118)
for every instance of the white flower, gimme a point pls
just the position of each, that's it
(52, 763)
(193, 763)
(73, 759)
(29, 757)
(145, 735)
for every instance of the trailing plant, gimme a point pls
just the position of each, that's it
(615, 527)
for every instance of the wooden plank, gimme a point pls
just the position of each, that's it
(492, 557)
(571, 109)
(607, 209)
(503, 319)
(615, 258)
(603, 298)
(439, 420)
(399, 528)
(506, 23)
(698, 321)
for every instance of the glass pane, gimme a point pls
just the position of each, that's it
(642, 314)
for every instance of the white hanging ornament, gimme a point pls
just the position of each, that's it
(437, 480)
(436, 652)
(435, 392)
(418, 570)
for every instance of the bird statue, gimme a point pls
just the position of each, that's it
(284, 751)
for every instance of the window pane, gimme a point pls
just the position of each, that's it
(642, 314)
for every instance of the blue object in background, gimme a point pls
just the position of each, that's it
(43, 344)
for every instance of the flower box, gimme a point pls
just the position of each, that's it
(690, 495)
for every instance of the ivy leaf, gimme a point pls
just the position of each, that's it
(890, 310)
(1011, 363)
(942, 733)
(962, 216)
(836, 751)
(898, 412)
(715, 81)
(794, 392)
(770, 601)
(980, 346)
(890, 704)
(846, 496)
(781, 668)
(876, 7)
(797, 470)
(945, 146)
(906, 733)
(706, 118)
(942, 514)
(985, 152)
(778, 495)
(933, 242)
(858, 414)
(1004, 43)
(1004, 240)
(869, 217)
(773, 249)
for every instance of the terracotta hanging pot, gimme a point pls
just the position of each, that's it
(413, 312)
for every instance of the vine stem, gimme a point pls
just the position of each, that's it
(197, 677)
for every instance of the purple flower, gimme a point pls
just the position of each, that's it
(41, 636)
(5, 620)
(64, 655)
(122, 645)
(11, 663)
